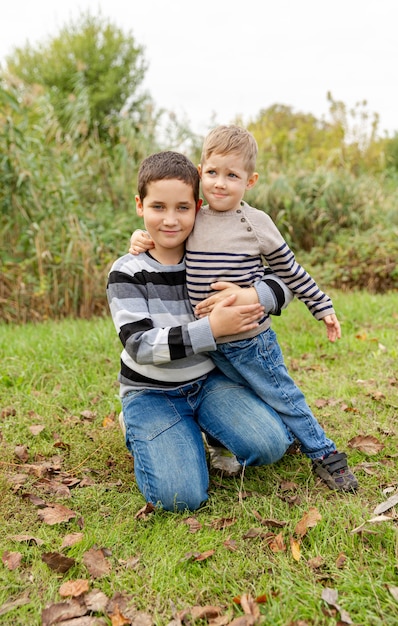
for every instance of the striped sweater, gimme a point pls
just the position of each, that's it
(163, 345)
(232, 245)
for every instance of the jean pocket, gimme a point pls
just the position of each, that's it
(148, 414)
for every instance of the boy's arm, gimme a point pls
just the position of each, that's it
(147, 343)
(282, 262)
(271, 292)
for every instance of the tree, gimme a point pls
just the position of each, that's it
(95, 57)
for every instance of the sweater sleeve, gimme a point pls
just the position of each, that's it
(282, 262)
(154, 320)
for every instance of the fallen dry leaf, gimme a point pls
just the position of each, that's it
(36, 429)
(96, 601)
(205, 612)
(55, 514)
(277, 543)
(288, 485)
(394, 591)
(223, 522)
(340, 561)
(71, 540)
(254, 532)
(74, 588)
(57, 562)
(62, 611)
(118, 619)
(145, 511)
(8, 411)
(88, 415)
(230, 544)
(268, 522)
(295, 548)
(130, 563)
(12, 604)
(366, 443)
(250, 606)
(316, 562)
(28, 538)
(96, 563)
(309, 520)
(374, 520)
(21, 452)
(34, 500)
(221, 620)
(386, 505)
(204, 555)
(244, 620)
(49, 485)
(12, 560)
(193, 523)
(330, 596)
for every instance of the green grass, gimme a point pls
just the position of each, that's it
(52, 373)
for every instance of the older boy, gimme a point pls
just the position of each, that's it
(169, 387)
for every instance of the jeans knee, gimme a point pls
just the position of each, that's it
(180, 503)
(269, 451)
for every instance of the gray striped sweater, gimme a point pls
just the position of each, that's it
(163, 345)
(232, 245)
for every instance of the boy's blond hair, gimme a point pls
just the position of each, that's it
(231, 139)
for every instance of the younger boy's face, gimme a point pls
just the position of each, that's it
(169, 211)
(225, 180)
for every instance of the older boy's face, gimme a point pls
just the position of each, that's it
(169, 211)
(225, 180)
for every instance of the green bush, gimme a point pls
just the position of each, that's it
(363, 260)
(311, 209)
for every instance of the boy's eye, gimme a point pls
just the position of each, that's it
(232, 175)
(157, 207)
(183, 208)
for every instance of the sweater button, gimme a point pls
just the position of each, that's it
(242, 219)
(249, 228)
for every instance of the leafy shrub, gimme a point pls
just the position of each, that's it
(312, 209)
(363, 260)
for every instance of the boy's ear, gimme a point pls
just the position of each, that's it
(200, 170)
(138, 206)
(252, 180)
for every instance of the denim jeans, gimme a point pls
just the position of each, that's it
(164, 435)
(258, 363)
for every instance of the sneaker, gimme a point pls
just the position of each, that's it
(122, 424)
(334, 471)
(224, 460)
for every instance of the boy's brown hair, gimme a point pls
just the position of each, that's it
(166, 166)
(231, 139)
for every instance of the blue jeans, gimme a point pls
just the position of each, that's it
(258, 363)
(164, 435)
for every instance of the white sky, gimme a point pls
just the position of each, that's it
(211, 60)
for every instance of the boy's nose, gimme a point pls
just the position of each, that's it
(170, 218)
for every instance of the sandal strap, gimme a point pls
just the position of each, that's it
(335, 462)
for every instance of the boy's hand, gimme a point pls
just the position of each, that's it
(226, 319)
(332, 327)
(140, 241)
(225, 290)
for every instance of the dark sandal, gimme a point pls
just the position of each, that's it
(334, 471)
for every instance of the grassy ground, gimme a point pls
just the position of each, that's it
(58, 420)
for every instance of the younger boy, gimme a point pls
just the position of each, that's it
(228, 243)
